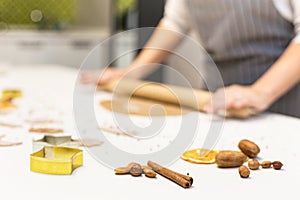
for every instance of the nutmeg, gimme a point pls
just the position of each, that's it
(244, 171)
(230, 159)
(136, 170)
(277, 165)
(249, 148)
(253, 164)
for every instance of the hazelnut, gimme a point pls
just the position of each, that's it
(277, 165)
(253, 164)
(244, 171)
(266, 164)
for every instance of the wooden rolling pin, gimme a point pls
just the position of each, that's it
(192, 98)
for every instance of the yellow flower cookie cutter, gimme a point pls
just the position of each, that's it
(11, 94)
(56, 160)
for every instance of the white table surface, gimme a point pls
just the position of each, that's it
(52, 86)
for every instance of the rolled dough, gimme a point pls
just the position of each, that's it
(142, 107)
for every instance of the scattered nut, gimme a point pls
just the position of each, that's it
(244, 171)
(136, 170)
(230, 159)
(253, 164)
(122, 170)
(149, 172)
(277, 165)
(249, 148)
(266, 164)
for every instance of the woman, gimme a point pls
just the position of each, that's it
(254, 43)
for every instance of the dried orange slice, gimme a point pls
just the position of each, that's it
(200, 156)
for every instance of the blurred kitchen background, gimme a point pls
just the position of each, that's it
(63, 32)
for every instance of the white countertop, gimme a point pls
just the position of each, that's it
(52, 87)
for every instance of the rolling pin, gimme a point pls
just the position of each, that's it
(192, 98)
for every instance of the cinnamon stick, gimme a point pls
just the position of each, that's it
(184, 181)
(186, 177)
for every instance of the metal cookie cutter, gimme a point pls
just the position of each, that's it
(56, 160)
(50, 140)
(62, 140)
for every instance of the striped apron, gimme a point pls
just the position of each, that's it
(244, 38)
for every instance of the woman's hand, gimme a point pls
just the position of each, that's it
(237, 97)
(100, 77)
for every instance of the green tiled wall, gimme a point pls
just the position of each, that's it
(123, 6)
(56, 13)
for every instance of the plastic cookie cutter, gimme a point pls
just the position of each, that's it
(6, 106)
(62, 140)
(11, 94)
(56, 160)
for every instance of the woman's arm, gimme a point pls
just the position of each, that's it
(278, 80)
(157, 49)
(164, 39)
(282, 76)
